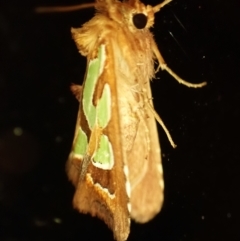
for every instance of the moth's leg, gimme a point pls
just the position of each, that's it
(77, 91)
(163, 66)
(149, 104)
(160, 121)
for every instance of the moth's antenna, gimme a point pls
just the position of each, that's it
(159, 6)
(64, 8)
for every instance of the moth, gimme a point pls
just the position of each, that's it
(115, 161)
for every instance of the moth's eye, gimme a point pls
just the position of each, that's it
(140, 20)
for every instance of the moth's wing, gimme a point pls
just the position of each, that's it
(144, 162)
(134, 68)
(102, 192)
(146, 170)
(73, 164)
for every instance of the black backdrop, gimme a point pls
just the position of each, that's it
(38, 62)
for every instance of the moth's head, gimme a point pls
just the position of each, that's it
(137, 15)
(131, 13)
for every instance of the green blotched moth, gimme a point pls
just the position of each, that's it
(115, 162)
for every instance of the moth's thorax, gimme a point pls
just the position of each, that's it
(114, 22)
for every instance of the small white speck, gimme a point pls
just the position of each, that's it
(57, 220)
(203, 217)
(17, 131)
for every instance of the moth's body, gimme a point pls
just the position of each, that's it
(137, 171)
(116, 119)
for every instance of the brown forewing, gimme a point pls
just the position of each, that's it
(102, 193)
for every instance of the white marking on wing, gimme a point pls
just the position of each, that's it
(129, 206)
(97, 185)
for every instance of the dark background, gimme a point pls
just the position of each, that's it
(38, 62)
